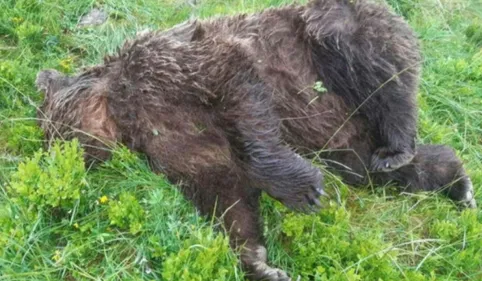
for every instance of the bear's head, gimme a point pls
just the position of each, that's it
(76, 107)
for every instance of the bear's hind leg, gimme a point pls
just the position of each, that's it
(237, 203)
(372, 60)
(201, 161)
(243, 221)
(434, 168)
(397, 130)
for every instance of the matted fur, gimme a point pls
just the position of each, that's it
(227, 106)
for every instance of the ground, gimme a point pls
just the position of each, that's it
(61, 221)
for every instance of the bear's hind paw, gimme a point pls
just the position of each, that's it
(383, 160)
(469, 199)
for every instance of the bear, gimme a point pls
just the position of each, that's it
(226, 108)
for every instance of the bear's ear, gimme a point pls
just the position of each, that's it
(49, 81)
(45, 78)
(185, 32)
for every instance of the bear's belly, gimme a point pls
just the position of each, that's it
(325, 124)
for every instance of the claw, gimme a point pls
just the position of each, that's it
(321, 192)
(385, 159)
(317, 202)
(472, 204)
(313, 201)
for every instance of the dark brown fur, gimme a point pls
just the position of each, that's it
(224, 104)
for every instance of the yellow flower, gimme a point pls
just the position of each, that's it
(76, 225)
(57, 256)
(103, 199)
(17, 20)
(67, 64)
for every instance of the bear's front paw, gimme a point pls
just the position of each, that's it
(386, 160)
(303, 198)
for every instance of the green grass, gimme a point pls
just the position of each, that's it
(121, 222)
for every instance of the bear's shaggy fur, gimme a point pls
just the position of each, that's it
(228, 105)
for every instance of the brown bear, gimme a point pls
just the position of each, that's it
(227, 106)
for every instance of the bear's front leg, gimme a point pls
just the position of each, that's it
(253, 132)
(285, 176)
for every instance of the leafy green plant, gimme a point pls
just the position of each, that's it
(474, 33)
(204, 256)
(50, 179)
(126, 212)
(328, 248)
(445, 230)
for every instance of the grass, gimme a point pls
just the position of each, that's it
(60, 221)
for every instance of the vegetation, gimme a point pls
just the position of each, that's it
(62, 221)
